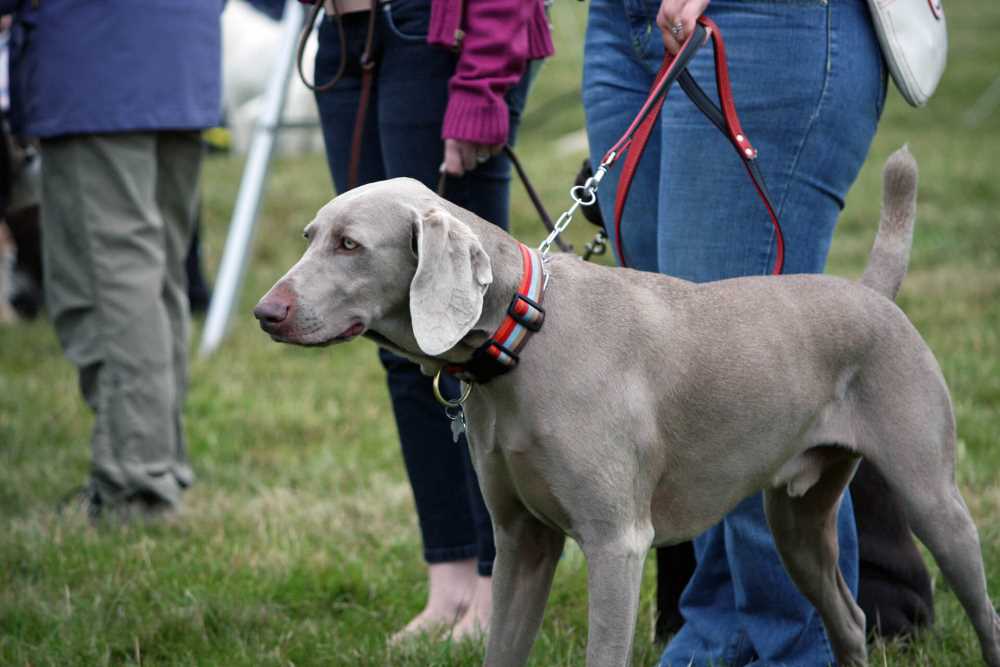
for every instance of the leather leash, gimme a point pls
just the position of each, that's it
(633, 142)
(367, 74)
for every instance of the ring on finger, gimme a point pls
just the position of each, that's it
(677, 30)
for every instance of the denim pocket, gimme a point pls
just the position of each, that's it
(408, 20)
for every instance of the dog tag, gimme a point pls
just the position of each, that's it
(457, 426)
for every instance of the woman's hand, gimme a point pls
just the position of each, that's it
(676, 21)
(462, 156)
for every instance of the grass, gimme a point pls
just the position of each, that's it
(300, 544)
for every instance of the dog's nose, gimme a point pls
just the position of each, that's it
(271, 311)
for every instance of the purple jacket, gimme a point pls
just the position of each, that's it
(115, 65)
(496, 39)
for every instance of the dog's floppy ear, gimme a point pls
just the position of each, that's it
(453, 272)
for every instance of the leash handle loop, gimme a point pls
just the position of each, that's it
(726, 119)
(669, 70)
(587, 193)
(307, 27)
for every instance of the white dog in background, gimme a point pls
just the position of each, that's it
(250, 45)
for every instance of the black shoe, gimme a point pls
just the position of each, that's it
(27, 298)
(82, 499)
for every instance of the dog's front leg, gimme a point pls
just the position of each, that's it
(527, 554)
(614, 578)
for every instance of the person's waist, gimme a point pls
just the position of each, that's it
(351, 6)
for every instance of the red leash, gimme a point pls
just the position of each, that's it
(633, 142)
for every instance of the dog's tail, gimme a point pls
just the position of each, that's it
(891, 252)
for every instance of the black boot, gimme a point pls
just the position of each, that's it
(894, 589)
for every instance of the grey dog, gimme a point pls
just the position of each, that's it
(724, 389)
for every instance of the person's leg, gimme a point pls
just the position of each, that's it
(894, 588)
(434, 464)
(620, 60)
(104, 264)
(412, 98)
(178, 160)
(710, 633)
(714, 227)
(618, 70)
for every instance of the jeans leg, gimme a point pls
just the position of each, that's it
(616, 80)
(709, 225)
(413, 95)
(434, 464)
(711, 633)
(714, 227)
(403, 138)
(782, 626)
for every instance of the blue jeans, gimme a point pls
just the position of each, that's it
(809, 85)
(402, 137)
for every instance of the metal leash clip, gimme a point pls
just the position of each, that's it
(582, 195)
(597, 246)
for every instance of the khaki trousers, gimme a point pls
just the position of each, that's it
(117, 218)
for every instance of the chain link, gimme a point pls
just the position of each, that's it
(582, 195)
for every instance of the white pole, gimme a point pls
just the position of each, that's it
(237, 249)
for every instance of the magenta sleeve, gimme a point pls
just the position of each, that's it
(493, 58)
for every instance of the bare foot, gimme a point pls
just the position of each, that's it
(451, 589)
(475, 624)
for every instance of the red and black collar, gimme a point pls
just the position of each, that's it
(525, 316)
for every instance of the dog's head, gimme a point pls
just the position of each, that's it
(387, 259)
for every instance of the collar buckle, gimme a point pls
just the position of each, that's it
(526, 312)
(498, 351)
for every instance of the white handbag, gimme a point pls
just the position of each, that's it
(914, 40)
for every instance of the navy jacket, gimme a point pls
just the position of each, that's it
(100, 66)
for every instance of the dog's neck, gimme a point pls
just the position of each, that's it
(505, 258)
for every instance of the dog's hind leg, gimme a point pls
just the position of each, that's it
(805, 532)
(614, 579)
(915, 432)
(527, 554)
(941, 520)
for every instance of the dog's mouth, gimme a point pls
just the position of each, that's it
(319, 343)
(297, 338)
(350, 332)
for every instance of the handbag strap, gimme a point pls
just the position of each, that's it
(633, 142)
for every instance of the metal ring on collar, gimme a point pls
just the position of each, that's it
(457, 403)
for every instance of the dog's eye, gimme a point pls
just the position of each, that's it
(348, 244)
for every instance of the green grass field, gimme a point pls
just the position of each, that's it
(300, 543)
